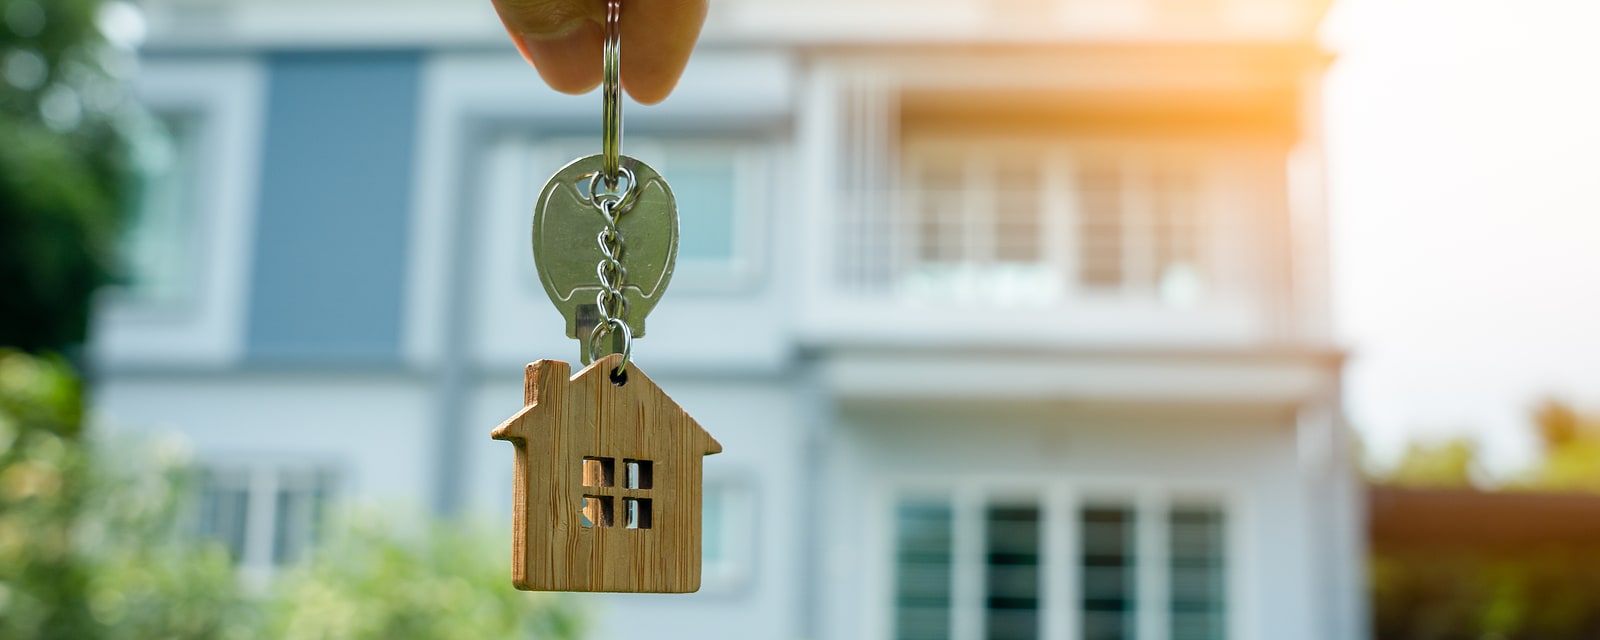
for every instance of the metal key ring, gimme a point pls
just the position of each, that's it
(623, 176)
(611, 93)
(606, 328)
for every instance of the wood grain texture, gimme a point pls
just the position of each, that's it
(567, 419)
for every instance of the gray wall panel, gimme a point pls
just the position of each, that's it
(331, 242)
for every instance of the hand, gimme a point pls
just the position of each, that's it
(562, 39)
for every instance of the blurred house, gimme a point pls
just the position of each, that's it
(1011, 315)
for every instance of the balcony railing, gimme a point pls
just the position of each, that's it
(1132, 244)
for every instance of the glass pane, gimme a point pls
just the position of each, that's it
(224, 508)
(922, 570)
(1016, 209)
(1175, 236)
(289, 531)
(300, 502)
(940, 226)
(1196, 550)
(705, 185)
(712, 510)
(1012, 536)
(1100, 221)
(1108, 587)
(156, 246)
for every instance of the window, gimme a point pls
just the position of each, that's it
(1107, 579)
(727, 532)
(1012, 539)
(266, 516)
(975, 224)
(923, 570)
(1011, 552)
(1018, 222)
(184, 254)
(1140, 226)
(158, 246)
(1196, 558)
(598, 509)
(705, 181)
(225, 508)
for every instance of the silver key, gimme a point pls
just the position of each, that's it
(565, 224)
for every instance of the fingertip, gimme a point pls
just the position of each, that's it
(657, 39)
(567, 62)
(650, 91)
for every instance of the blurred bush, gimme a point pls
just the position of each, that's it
(43, 582)
(1456, 592)
(371, 584)
(1540, 581)
(94, 545)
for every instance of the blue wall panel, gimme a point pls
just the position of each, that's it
(335, 208)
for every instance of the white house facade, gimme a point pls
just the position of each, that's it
(1010, 315)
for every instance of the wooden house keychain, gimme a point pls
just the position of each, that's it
(608, 468)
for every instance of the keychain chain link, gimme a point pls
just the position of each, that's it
(610, 301)
(620, 192)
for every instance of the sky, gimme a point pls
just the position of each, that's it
(1464, 178)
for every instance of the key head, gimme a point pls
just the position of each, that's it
(566, 225)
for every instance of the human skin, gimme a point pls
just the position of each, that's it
(562, 39)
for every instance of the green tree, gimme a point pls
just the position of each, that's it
(1570, 441)
(62, 170)
(1441, 464)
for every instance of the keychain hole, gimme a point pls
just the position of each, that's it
(619, 376)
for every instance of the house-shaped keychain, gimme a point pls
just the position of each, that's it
(607, 479)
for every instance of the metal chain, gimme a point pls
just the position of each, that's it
(616, 200)
(611, 302)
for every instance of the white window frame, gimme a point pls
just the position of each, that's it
(736, 569)
(225, 97)
(256, 566)
(1061, 500)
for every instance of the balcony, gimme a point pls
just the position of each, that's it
(1057, 241)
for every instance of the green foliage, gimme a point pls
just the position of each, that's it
(448, 585)
(90, 546)
(42, 582)
(150, 578)
(1462, 592)
(1571, 443)
(1453, 593)
(1442, 464)
(94, 546)
(62, 168)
